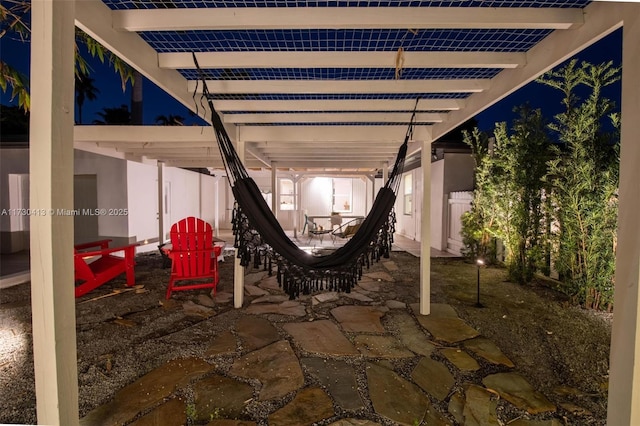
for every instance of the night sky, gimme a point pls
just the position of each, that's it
(156, 102)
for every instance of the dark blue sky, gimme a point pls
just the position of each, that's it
(156, 102)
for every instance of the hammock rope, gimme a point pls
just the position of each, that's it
(260, 239)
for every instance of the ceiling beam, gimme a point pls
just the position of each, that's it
(340, 105)
(184, 60)
(349, 117)
(302, 134)
(147, 134)
(186, 19)
(340, 86)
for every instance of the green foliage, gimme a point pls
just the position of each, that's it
(584, 177)
(13, 20)
(478, 230)
(519, 164)
(538, 198)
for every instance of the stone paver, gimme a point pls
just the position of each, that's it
(223, 297)
(330, 296)
(290, 307)
(488, 350)
(380, 276)
(359, 319)
(320, 337)
(444, 324)
(411, 335)
(252, 290)
(390, 266)
(172, 412)
(395, 304)
(256, 332)
(456, 406)
(462, 360)
(220, 396)
(147, 391)
(270, 283)
(309, 406)
(385, 387)
(356, 295)
(480, 407)
(194, 310)
(381, 347)
(271, 298)
(526, 422)
(515, 389)
(275, 366)
(434, 377)
(227, 422)
(369, 286)
(354, 422)
(338, 378)
(223, 344)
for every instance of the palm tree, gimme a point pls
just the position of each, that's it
(170, 120)
(14, 16)
(115, 116)
(84, 90)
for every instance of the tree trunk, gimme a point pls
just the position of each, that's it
(136, 99)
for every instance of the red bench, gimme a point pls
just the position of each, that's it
(92, 274)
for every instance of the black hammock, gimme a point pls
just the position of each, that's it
(259, 236)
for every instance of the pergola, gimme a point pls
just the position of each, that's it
(312, 86)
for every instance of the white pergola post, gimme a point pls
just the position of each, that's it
(51, 188)
(624, 379)
(274, 198)
(160, 203)
(238, 270)
(385, 172)
(425, 230)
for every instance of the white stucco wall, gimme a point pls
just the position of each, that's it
(112, 189)
(142, 190)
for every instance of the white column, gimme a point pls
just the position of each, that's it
(274, 197)
(51, 188)
(624, 378)
(160, 203)
(425, 231)
(385, 173)
(296, 205)
(238, 271)
(216, 215)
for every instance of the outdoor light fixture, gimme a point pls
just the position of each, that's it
(479, 262)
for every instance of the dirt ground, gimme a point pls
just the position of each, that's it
(562, 350)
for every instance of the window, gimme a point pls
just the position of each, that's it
(342, 195)
(286, 194)
(408, 195)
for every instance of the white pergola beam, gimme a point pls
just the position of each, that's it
(336, 117)
(302, 134)
(341, 86)
(339, 105)
(184, 60)
(151, 135)
(345, 18)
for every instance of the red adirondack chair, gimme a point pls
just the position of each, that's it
(106, 266)
(193, 255)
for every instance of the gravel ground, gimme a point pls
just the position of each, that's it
(122, 337)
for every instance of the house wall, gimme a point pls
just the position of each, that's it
(142, 190)
(14, 229)
(452, 173)
(112, 190)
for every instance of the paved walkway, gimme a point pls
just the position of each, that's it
(362, 358)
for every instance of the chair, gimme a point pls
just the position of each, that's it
(92, 274)
(315, 230)
(347, 230)
(193, 255)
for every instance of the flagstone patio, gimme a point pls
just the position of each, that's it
(365, 360)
